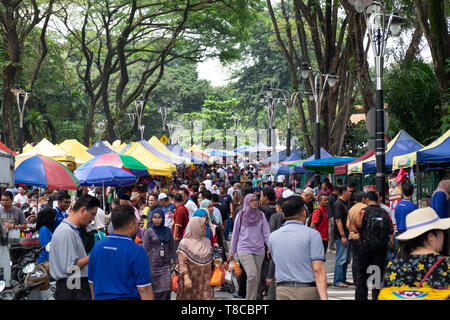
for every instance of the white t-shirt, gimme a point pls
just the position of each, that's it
(21, 199)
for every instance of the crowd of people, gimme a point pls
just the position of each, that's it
(132, 244)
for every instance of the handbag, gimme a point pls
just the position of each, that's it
(415, 293)
(174, 282)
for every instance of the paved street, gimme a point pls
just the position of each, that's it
(333, 293)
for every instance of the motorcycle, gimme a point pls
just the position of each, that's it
(29, 281)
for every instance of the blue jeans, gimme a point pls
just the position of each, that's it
(227, 231)
(343, 257)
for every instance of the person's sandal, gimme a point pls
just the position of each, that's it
(341, 285)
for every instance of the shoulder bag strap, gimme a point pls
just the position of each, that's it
(431, 269)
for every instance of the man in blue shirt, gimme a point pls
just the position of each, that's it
(118, 267)
(404, 207)
(298, 254)
(63, 199)
(168, 208)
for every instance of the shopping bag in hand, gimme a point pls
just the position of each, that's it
(218, 277)
(174, 282)
(233, 266)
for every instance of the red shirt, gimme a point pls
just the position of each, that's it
(323, 226)
(180, 218)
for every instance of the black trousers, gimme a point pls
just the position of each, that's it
(242, 282)
(263, 287)
(63, 292)
(355, 259)
(368, 258)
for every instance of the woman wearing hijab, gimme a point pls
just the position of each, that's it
(440, 199)
(195, 263)
(214, 230)
(44, 225)
(251, 233)
(419, 264)
(160, 248)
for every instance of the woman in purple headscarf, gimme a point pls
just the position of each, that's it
(251, 232)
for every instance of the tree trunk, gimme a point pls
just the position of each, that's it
(432, 19)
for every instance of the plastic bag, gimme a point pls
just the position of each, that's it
(228, 277)
(218, 277)
(233, 266)
(174, 282)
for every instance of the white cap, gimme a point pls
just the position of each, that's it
(287, 193)
(162, 196)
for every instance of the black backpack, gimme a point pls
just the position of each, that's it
(309, 219)
(376, 228)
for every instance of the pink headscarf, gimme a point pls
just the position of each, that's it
(250, 216)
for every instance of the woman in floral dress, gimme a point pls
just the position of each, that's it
(423, 239)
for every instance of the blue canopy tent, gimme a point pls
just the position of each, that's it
(99, 148)
(327, 164)
(286, 169)
(300, 169)
(281, 156)
(220, 153)
(404, 144)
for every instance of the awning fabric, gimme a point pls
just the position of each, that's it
(436, 152)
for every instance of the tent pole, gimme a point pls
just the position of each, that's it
(419, 185)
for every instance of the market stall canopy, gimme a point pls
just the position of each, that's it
(296, 166)
(155, 142)
(99, 148)
(27, 147)
(118, 145)
(47, 149)
(178, 150)
(5, 148)
(402, 143)
(175, 161)
(281, 156)
(220, 153)
(155, 165)
(436, 152)
(327, 164)
(340, 170)
(77, 149)
(196, 150)
(43, 172)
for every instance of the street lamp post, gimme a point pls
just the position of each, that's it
(17, 91)
(287, 100)
(139, 106)
(163, 111)
(236, 118)
(191, 124)
(317, 95)
(378, 31)
(170, 128)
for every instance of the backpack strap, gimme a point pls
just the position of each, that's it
(431, 269)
